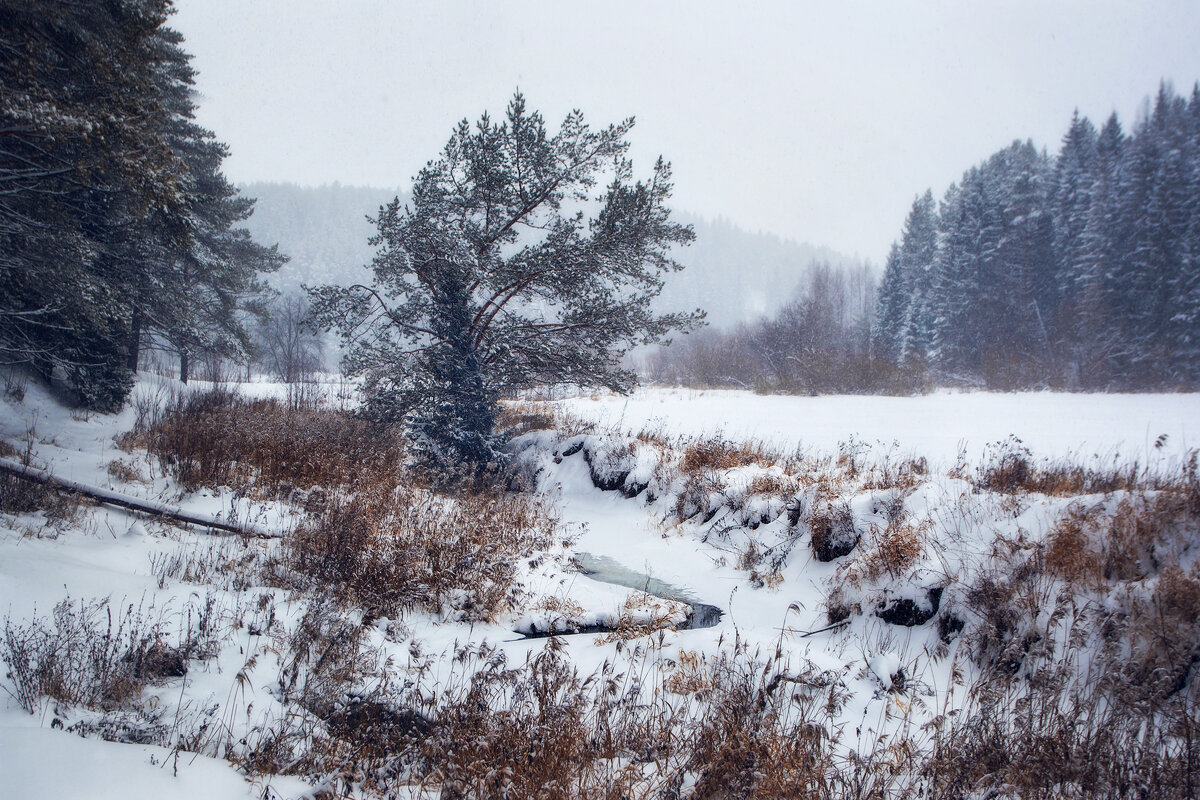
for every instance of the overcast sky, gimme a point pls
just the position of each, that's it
(816, 121)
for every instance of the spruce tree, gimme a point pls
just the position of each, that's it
(956, 288)
(109, 188)
(918, 250)
(1071, 202)
(891, 309)
(1093, 276)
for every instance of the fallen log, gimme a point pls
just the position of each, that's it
(137, 505)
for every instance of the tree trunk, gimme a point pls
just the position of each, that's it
(183, 364)
(135, 341)
(108, 497)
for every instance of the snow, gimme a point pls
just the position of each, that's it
(937, 426)
(883, 666)
(43, 762)
(107, 553)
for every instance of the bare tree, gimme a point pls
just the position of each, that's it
(288, 347)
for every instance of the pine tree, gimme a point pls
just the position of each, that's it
(454, 410)
(493, 277)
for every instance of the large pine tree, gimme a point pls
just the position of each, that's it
(509, 270)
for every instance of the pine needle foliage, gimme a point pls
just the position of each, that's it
(510, 269)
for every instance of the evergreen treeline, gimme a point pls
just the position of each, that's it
(117, 228)
(1078, 271)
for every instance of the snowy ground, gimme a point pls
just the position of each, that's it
(937, 426)
(106, 553)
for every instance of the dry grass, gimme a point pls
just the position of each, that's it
(833, 532)
(1077, 698)
(773, 485)
(62, 510)
(893, 551)
(714, 454)
(516, 417)
(263, 447)
(392, 549)
(905, 474)
(732, 725)
(19, 496)
(1041, 721)
(1087, 646)
(91, 655)
(689, 675)
(125, 471)
(1010, 468)
(374, 536)
(630, 625)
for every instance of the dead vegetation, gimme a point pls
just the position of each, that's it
(730, 725)
(1084, 645)
(1009, 467)
(263, 448)
(395, 549)
(60, 509)
(1087, 645)
(889, 554)
(90, 654)
(374, 534)
(718, 453)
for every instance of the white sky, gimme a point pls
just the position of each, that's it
(816, 121)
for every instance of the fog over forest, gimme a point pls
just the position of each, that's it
(733, 274)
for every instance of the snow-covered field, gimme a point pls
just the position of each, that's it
(937, 426)
(105, 553)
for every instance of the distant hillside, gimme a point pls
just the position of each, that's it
(731, 273)
(323, 229)
(736, 275)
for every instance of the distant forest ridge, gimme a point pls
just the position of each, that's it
(733, 274)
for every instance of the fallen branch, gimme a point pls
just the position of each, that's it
(108, 497)
(838, 624)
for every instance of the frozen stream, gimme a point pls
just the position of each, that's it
(609, 570)
(624, 542)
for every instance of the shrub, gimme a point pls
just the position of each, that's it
(264, 447)
(833, 532)
(717, 453)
